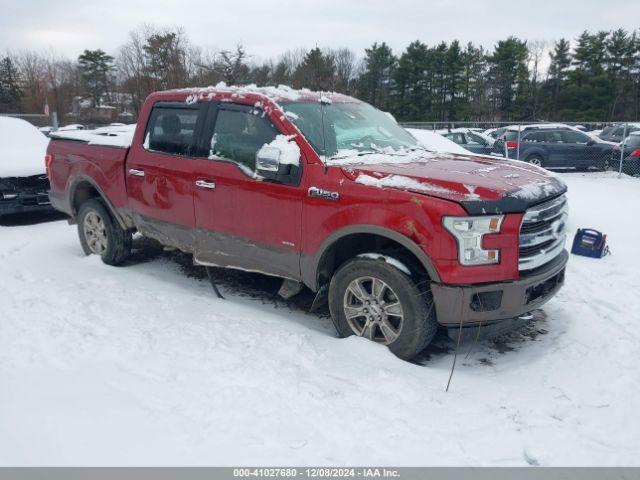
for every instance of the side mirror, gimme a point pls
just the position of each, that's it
(268, 163)
(591, 142)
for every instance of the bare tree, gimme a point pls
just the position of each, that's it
(537, 49)
(346, 64)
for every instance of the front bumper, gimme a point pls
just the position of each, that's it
(490, 303)
(26, 202)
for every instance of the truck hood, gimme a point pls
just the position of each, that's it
(482, 184)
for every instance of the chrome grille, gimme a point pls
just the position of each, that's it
(543, 233)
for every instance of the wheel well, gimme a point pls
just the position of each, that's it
(350, 246)
(83, 192)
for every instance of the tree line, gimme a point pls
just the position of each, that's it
(594, 78)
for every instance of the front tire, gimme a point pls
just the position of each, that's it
(100, 234)
(373, 299)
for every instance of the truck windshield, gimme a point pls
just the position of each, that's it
(349, 128)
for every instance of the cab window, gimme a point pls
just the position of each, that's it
(239, 133)
(171, 129)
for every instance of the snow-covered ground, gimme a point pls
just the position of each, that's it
(143, 365)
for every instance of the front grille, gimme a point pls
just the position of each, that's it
(34, 183)
(543, 233)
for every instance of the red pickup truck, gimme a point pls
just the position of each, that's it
(326, 192)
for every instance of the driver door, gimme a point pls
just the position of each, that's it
(244, 221)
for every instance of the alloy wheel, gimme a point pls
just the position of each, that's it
(95, 233)
(373, 310)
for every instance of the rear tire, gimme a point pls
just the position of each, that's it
(536, 160)
(391, 309)
(100, 234)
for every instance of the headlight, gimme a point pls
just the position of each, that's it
(468, 232)
(8, 196)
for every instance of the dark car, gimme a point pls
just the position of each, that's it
(630, 157)
(555, 148)
(471, 141)
(615, 133)
(24, 194)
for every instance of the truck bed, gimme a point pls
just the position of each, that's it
(77, 161)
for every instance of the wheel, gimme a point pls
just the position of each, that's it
(605, 164)
(536, 160)
(373, 299)
(100, 234)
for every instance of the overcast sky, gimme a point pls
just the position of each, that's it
(268, 27)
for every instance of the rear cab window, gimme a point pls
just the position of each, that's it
(171, 128)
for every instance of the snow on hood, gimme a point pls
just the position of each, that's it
(466, 179)
(22, 148)
(111, 136)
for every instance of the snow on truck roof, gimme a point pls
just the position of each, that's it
(279, 94)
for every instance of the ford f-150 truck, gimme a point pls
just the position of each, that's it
(326, 192)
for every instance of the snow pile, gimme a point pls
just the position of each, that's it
(289, 150)
(143, 365)
(111, 136)
(436, 142)
(22, 148)
(401, 182)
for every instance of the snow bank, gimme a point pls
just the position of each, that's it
(111, 136)
(143, 365)
(436, 142)
(22, 148)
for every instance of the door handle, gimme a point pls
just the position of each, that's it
(137, 173)
(205, 184)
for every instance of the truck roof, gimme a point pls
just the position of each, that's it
(280, 94)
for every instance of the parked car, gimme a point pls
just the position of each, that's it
(630, 157)
(615, 133)
(473, 141)
(23, 182)
(552, 147)
(326, 192)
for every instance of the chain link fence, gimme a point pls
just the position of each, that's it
(590, 146)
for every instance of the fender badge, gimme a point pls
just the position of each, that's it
(326, 194)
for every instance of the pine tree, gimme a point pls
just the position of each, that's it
(376, 81)
(165, 60)
(95, 66)
(509, 76)
(10, 92)
(560, 63)
(413, 97)
(317, 71)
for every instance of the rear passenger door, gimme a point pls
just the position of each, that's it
(159, 174)
(244, 221)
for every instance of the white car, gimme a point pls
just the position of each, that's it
(23, 180)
